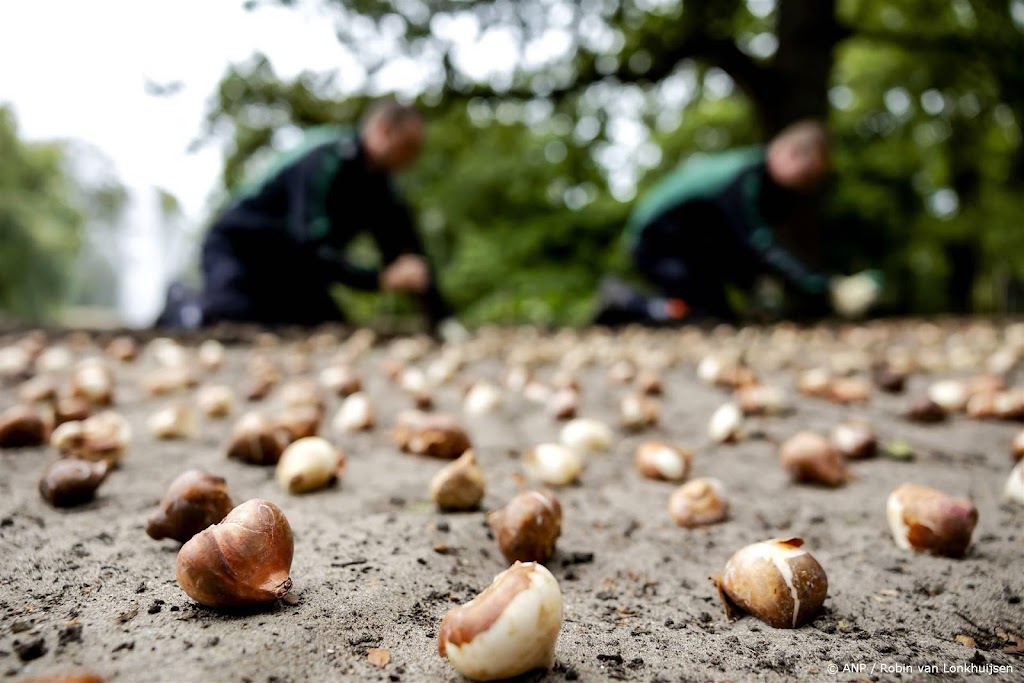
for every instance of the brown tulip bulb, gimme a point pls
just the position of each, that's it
(810, 458)
(436, 435)
(844, 390)
(300, 421)
(923, 409)
(649, 383)
(927, 520)
(528, 526)
(776, 581)
(889, 379)
(855, 439)
(639, 411)
(104, 436)
(21, 426)
(698, 503)
(242, 561)
(341, 380)
(459, 485)
(762, 399)
(657, 460)
(257, 441)
(564, 403)
(1017, 447)
(194, 501)
(123, 348)
(74, 677)
(69, 482)
(70, 409)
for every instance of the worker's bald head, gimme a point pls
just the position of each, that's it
(800, 156)
(392, 134)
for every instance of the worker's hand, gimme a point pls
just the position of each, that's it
(408, 274)
(853, 295)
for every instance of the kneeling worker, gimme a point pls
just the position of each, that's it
(709, 223)
(274, 252)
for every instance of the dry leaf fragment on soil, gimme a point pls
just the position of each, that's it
(379, 658)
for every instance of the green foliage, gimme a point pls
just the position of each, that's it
(40, 229)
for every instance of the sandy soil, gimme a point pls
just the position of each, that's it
(85, 588)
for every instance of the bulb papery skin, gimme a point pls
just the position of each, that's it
(928, 520)
(528, 526)
(244, 560)
(510, 628)
(459, 485)
(777, 581)
(699, 503)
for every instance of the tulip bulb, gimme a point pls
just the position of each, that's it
(638, 411)
(508, 629)
(814, 382)
(762, 399)
(168, 380)
(924, 409)
(586, 435)
(459, 485)
(257, 440)
(340, 380)
(242, 561)
(356, 414)
(123, 348)
(1017, 447)
(21, 426)
(194, 501)
(564, 403)
(1014, 490)
(649, 383)
(37, 390)
(657, 460)
(698, 503)
(69, 482)
(726, 424)
(855, 439)
(436, 435)
(553, 464)
(950, 395)
(776, 581)
(104, 436)
(309, 464)
(54, 359)
(528, 526)
(927, 520)
(846, 390)
(809, 458)
(177, 421)
(211, 355)
(216, 400)
(93, 381)
(482, 398)
(300, 421)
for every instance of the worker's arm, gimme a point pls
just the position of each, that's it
(397, 240)
(743, 212)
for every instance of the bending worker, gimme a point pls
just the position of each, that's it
(709, 223)
(274, 252)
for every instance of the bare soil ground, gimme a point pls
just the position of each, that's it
(376, 566)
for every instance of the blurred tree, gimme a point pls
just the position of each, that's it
(51, 196)
(548, 115)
